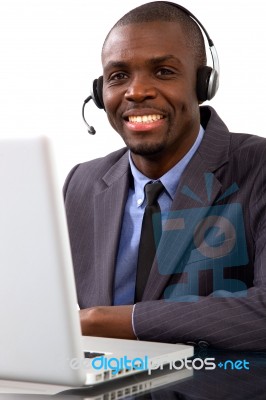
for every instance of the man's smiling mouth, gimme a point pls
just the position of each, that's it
(145, 118)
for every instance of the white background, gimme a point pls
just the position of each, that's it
(50, 53)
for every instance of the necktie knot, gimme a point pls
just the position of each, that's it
(152, 192)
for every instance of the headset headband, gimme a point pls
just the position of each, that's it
(215, 59)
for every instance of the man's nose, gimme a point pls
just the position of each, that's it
(140, 88)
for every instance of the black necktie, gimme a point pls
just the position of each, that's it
(147, 246)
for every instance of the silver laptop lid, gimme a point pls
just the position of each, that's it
(34, 247)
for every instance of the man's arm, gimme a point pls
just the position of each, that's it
(228, 323)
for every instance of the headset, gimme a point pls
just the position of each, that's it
(207, 77)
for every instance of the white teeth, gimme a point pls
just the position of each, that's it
(144, 118)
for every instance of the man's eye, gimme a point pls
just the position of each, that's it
(164, 71)
(118, 76)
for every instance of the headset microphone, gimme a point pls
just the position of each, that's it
(91, 130)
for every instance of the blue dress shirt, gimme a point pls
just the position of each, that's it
(126, 265)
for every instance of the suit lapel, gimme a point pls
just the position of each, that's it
(109, 207)
(198, 188)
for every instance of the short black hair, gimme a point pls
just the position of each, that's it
(161, 11)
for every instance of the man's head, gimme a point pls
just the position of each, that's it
(150, 61)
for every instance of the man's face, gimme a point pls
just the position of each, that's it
(149, 88)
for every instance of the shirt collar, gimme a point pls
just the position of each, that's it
(170, 179)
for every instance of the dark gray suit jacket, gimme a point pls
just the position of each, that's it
(228, 170)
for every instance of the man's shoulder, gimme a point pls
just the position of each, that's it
(247, 139)
(91, 171)
(105, 161)
(100, 164)
(238, 142)
(248, 146)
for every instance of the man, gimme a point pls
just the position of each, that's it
(207, 283)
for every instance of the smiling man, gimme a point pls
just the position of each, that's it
(206, 283)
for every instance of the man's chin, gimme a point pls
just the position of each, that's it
(146, 150)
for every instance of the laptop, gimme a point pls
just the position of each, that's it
(40, 335)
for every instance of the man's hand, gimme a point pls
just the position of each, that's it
(112, 321)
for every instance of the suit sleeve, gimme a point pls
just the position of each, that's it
(227, 323)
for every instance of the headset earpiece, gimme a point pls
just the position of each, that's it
(97, 92)
(203, 80)
(213, 84)
(207, 83)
